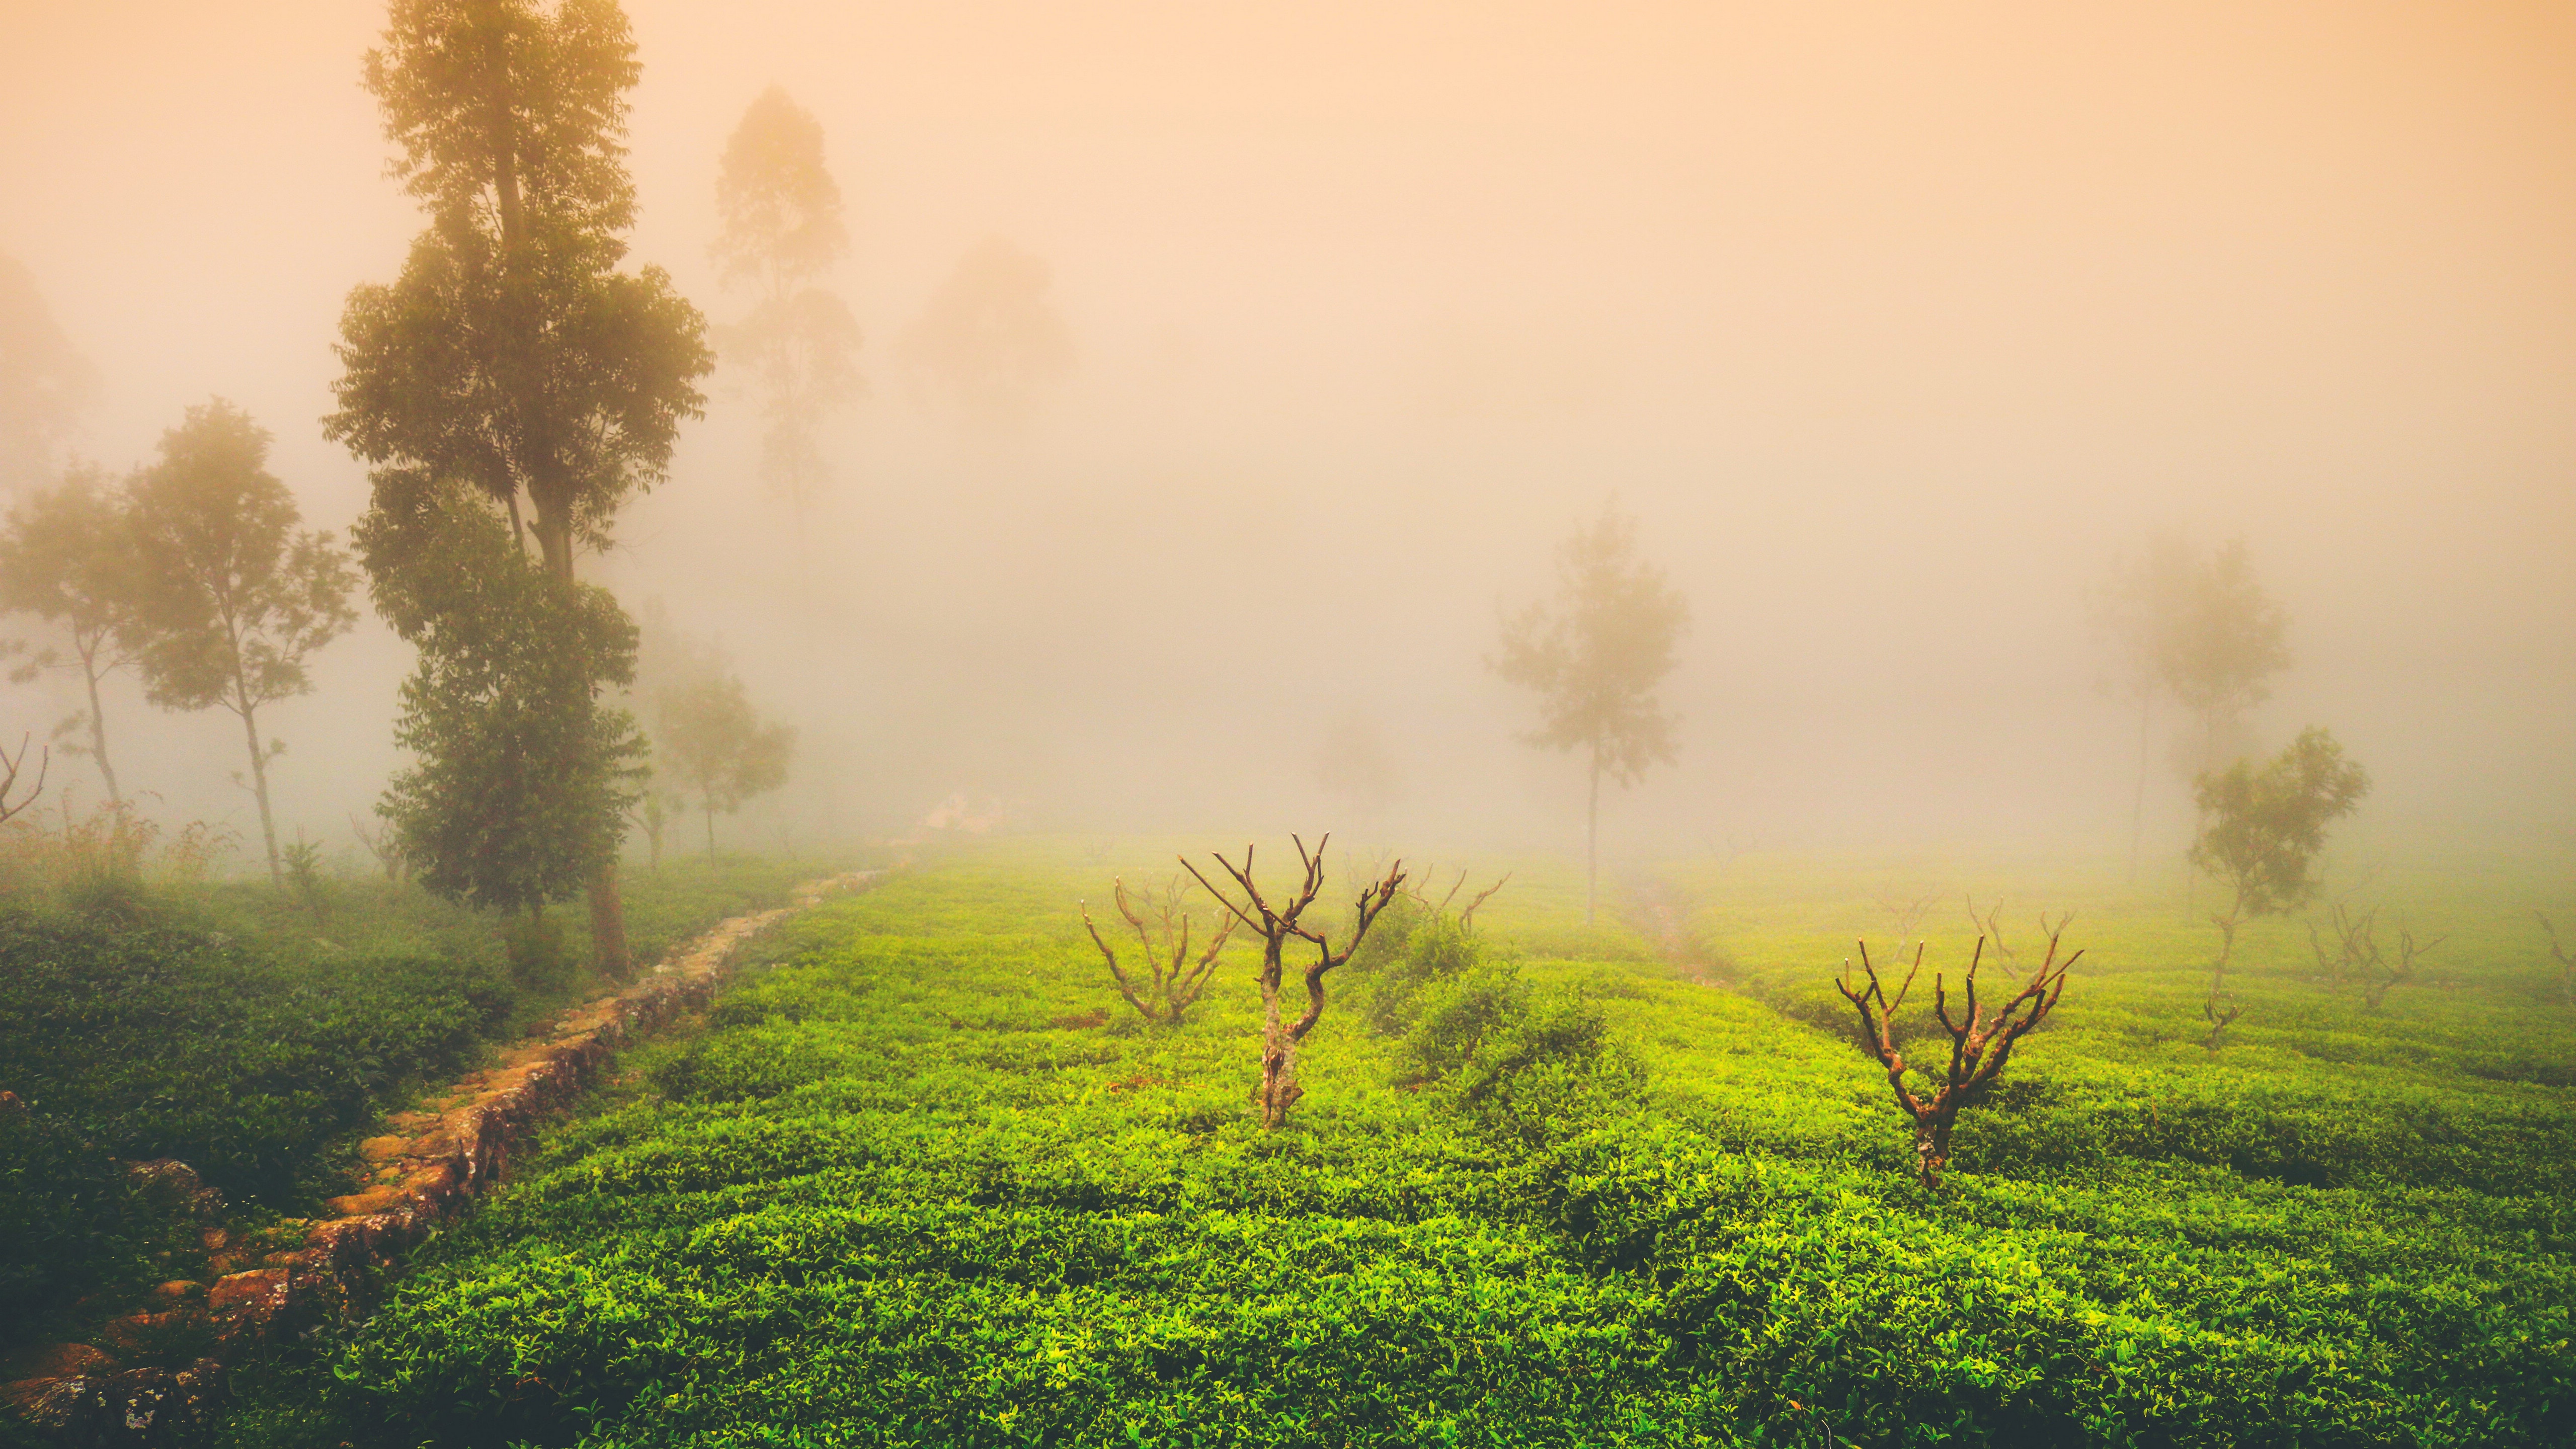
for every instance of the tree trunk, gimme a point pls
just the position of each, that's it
(608, 925)
(98, 737)
(2138, 802)
(259, 788)
(1592, 841)
(1931, 1151)
(711, 833)
(1278, 1090)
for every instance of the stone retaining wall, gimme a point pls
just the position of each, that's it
(425, 1172)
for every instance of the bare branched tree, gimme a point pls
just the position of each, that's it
(1173, 982)
(1990, 926)
(2356, 956)
(1981, 1042)
(381, 843)
(2409, 951)
(1466, 917)
(1278, 926)
(9, 767)
(2566, 963)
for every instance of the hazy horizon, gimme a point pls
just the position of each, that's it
(1894, 328)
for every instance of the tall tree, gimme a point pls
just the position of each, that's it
(1595, 656)
(718, 749)
(2139, 613)
(234, 597)
(512, 355)
(68, 558)
(523, 774)
(780, 232)
(990, 338)
(44, 381)
(2221, 646)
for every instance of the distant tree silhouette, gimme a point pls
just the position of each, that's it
(781, 230)
(233, 597)
(990, 338)
(68, 558)
(1595, 656)
(44, 381)
(717, 748)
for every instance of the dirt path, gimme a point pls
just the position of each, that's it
(1660, 911)
(456, 1146)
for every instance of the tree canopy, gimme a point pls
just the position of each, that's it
(2265, 826)
(233, 597)
(511, 353)
(523, 775)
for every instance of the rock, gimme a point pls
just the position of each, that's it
(67, 1360)
(259, 1294)
(381, 1149)
(178, 1290)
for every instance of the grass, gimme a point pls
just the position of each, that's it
(897, 1192)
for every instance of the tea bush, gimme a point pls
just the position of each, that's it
(890, 1198)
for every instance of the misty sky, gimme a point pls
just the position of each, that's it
(1893, 324)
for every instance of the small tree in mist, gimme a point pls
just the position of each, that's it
(781, 231)
(68, 558)
(234, 598)
(718, 749)
(1277, 926)
(2196, 628)
(44, 381)
(524, 772)
(512, 355)
(2261, 834)
(2566, 963)
(1595, 656)
(1172, 981)
(990, 338)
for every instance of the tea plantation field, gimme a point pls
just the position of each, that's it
(927, 1181)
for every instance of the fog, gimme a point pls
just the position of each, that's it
(1893, 325)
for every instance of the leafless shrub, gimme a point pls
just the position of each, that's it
(1278, 1090)
(1172, 982)
(1981, 1042)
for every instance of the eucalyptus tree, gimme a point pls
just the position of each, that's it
(232, 597)
(67, 557)
(513, 355)
(1595, 656)
(780, 233)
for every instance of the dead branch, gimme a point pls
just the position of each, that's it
(1173, 981)
(2409, 951)
(9, 767)
(1981, 1042)
(2566, 964)
(382, 844)
(1277, 926)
